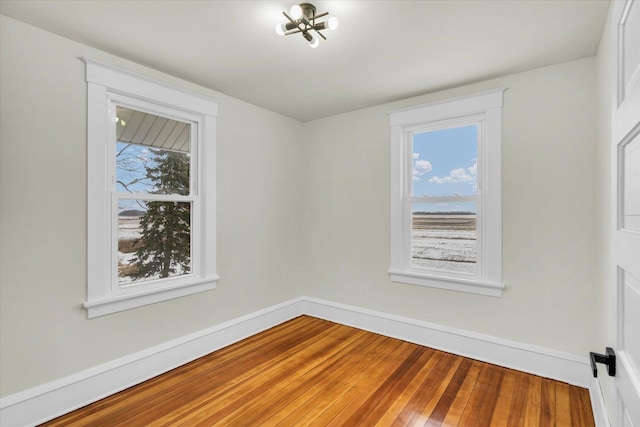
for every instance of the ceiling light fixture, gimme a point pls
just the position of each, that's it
(303, 20)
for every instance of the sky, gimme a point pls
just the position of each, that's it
(131, 160)
(130, 167)
(445, 164)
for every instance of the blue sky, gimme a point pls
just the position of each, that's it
(130, 169)
(131, 162)
(445, 164)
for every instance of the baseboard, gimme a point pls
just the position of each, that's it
(529, 358)
(597, 404)
(50, 400)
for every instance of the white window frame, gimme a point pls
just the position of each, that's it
(485, 110)
(109, 86)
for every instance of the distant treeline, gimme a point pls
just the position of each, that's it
(444, 213)
(132, 212)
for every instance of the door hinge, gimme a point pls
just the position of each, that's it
(608, 359)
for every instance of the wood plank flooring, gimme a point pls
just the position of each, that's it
(311, 372)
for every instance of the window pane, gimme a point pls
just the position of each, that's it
(154, 240)
(152, 153)
(443, 237)
(445, 162)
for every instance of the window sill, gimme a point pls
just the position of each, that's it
(114, 304)
(441, 282)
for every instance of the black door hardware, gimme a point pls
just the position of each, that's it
(608, 359)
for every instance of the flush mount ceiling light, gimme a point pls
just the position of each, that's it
(303, 20)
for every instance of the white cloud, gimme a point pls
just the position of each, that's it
(459, 175)
(416, 155)
(420, 167)
(423, 165)
(473, 170)
(456, 175)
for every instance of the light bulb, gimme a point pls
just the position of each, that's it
(332, 23)
(314, 42)
(281, 29)
(296, 11)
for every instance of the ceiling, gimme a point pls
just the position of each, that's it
(382, 50)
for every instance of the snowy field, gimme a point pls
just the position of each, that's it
(128, 228)
(444, 242)
(128, 231)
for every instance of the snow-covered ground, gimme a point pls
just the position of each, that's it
(129, 229)
(442, 242)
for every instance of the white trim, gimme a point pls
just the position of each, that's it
(47, 401)
(447, 108)
(151, 90)
(110, 305)
(443, 282)
(523, 357)
(484, 108)
(107, 86)
(597, 404)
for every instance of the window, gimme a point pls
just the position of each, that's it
(446, 229)
(151, 191)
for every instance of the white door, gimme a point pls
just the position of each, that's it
(626, 188)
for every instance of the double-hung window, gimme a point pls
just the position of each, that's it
(446, 229)
(151, 191)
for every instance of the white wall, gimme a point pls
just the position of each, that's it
(605, 278)
(44, 330)
(296, 216)
(548, 213)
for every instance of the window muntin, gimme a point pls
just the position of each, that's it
(433, 206)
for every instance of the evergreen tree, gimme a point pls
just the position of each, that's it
(165, 244)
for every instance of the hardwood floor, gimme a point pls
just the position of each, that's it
(313, 372)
